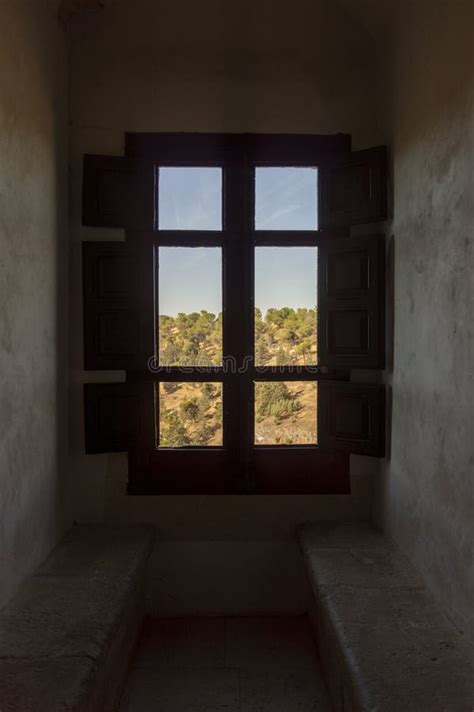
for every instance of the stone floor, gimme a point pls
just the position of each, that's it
(226, 665)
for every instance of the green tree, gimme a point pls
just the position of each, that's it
(283, 358)
(303, 349)
(262, 354)
(275, 400)
(170, 387)
(174, 434)
(189, 409)
(170, 351)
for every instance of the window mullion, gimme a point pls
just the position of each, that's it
(237, 314)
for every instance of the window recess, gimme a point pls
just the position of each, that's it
(237, 306)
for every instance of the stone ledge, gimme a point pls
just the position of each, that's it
(57, 684)
(67, 636)
(385, 646)
(92, 549)
(339, 535)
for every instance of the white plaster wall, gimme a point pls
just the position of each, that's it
(211, 66)
(33, 284)
(425, 499)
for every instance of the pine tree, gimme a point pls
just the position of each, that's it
(175, 433)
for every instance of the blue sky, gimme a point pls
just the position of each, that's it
(286, 199)
(285, 277)
(190, 278)
(190, 199)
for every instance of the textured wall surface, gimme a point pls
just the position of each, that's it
(209, 66)
(426, 496)
(33, 284)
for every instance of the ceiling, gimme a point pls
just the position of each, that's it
(374, 15)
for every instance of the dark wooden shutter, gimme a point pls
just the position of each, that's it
(118, 192)
(118, 305)
(118, 416)
(353, 189)
(351, 302)
(351, 417)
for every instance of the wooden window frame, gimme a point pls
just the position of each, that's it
(238, 466)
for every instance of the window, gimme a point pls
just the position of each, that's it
(189, 414)
(189, 308)
(237, 305)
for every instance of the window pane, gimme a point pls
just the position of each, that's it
(285, 413)
(190, 306)
(286, 199)
(190, 414)
(190, 199)
(285, 306)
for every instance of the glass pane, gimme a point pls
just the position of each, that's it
(286, 199)
(285, 413)
(190, 306)
(285, 306)
(190, 199)
(190, 414)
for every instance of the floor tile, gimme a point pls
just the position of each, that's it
(183, 642)
(283, 691)
(269, 643)
(182, 690)
(226, 665)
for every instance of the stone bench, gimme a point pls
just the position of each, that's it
(67, 636)
(384, 644)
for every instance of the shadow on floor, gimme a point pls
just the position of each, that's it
(226, 665)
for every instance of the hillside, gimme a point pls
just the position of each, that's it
(285, 412)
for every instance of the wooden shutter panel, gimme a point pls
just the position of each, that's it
(353, 189)
(351, 302)
(351, 417)
(118, 192)
(118, 305)
(117, 415)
